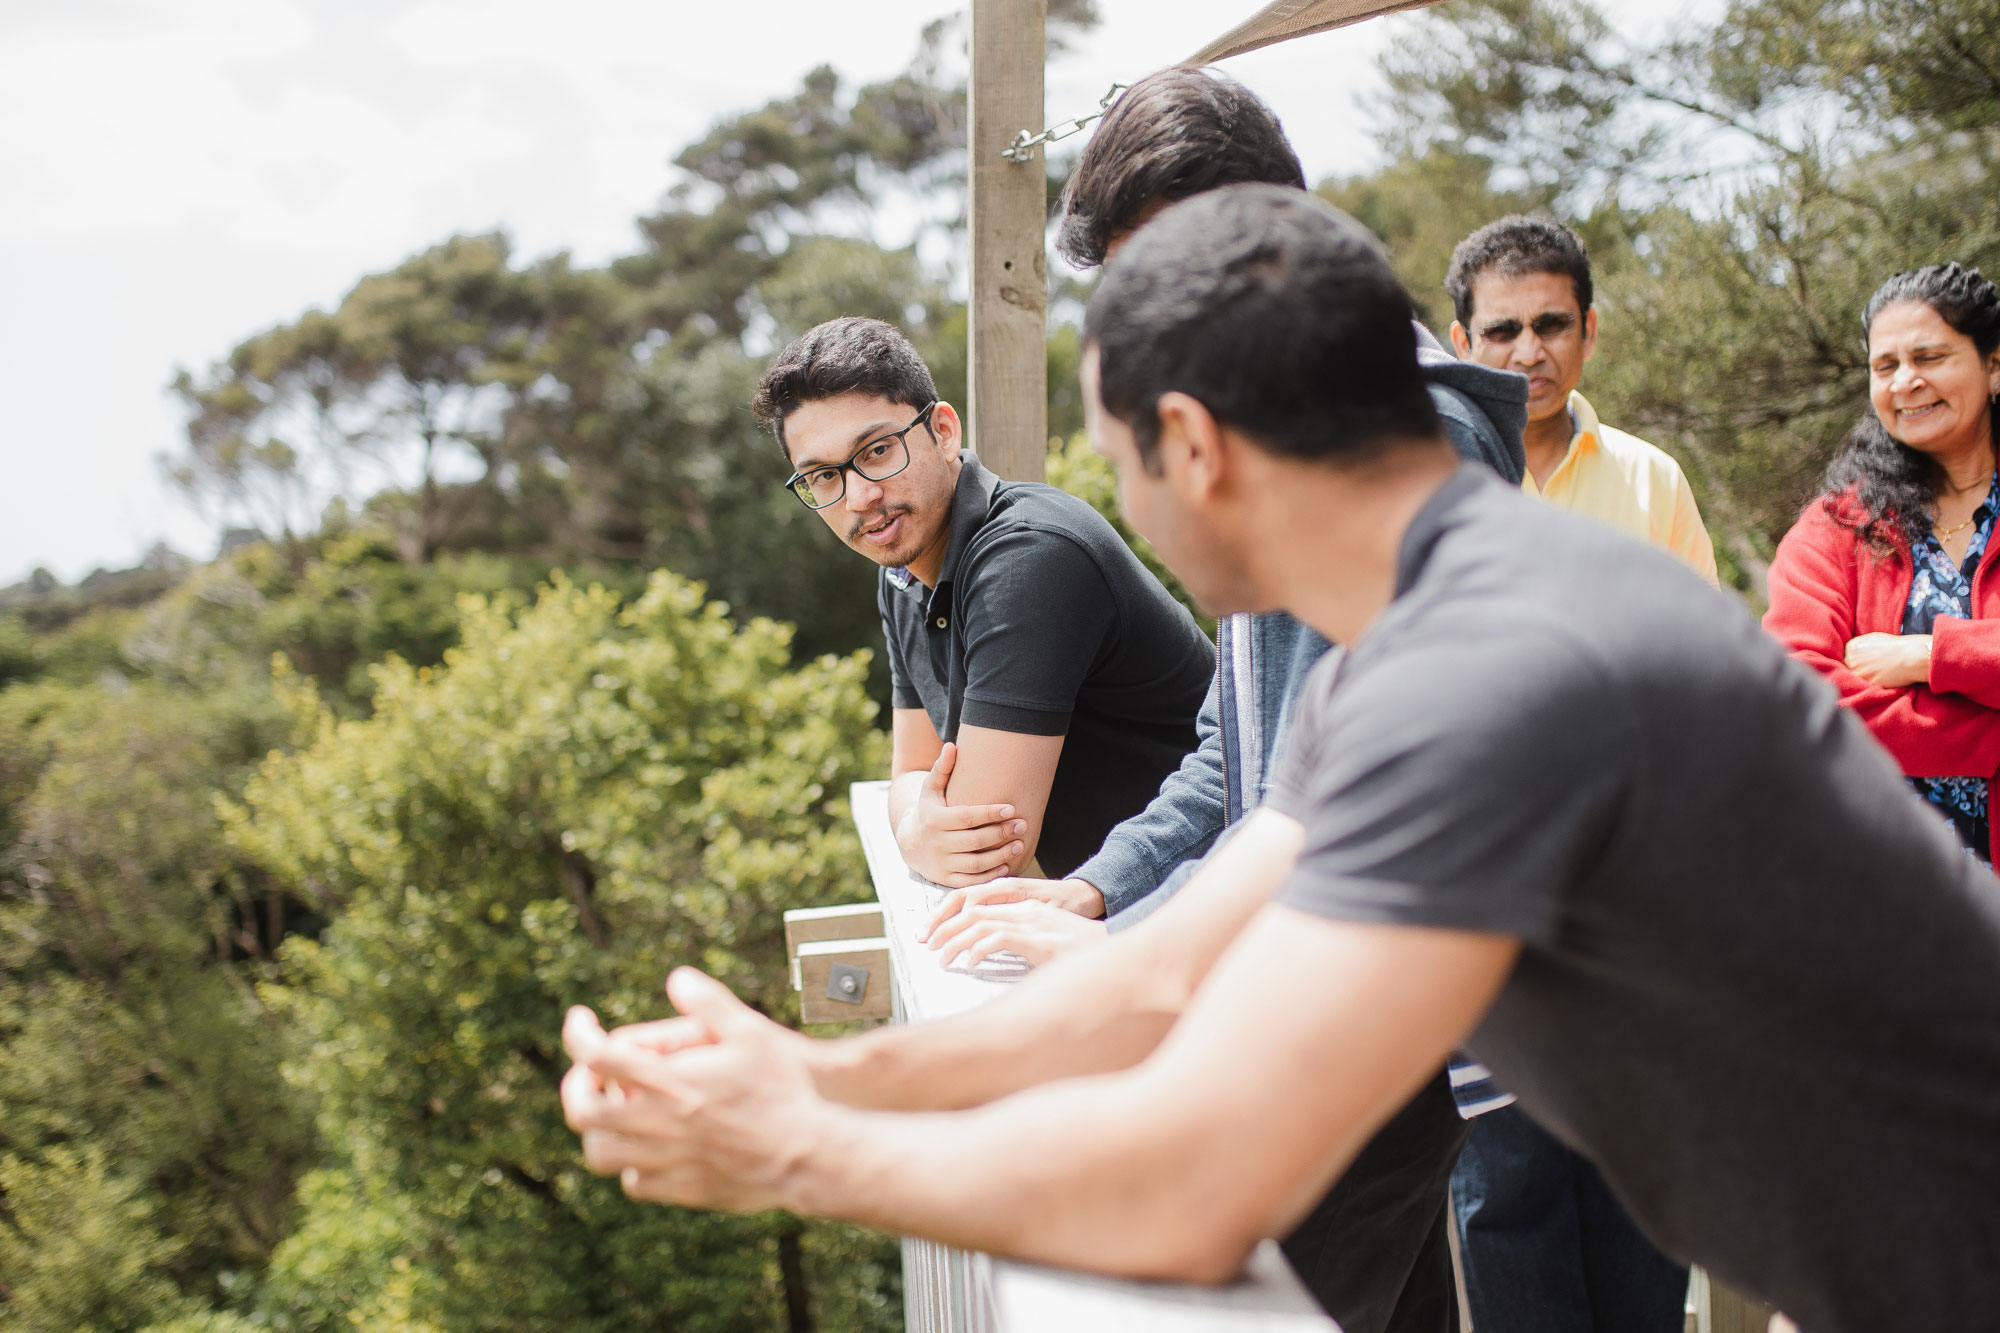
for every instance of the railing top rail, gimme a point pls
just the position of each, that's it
(1267, 1299)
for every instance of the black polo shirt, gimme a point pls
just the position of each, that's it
(1043, 622)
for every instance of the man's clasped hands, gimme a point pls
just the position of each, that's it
(711, 1109)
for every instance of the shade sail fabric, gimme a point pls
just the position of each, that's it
(1287, 19)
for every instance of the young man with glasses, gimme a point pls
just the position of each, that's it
(1544, 1242)
(1043, 682)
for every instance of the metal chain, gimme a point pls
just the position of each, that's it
(1024, 145)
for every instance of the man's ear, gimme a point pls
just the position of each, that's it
(1461, 341)
(1192, 451)
(1590, 333)
(948, 429)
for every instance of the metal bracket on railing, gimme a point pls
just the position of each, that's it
(846, 983)
(1024, 145)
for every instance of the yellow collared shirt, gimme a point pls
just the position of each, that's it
(1634, 486)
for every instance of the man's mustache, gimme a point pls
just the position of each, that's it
(869, 522)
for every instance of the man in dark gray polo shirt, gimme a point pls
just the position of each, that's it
(1560, 802)
(1022, 632)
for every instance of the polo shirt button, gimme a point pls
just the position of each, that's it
(940, 622)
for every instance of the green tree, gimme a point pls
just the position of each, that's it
(1742, 187)
(581, 796)
(147, 1144)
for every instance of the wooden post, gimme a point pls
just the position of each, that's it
(1008, 407)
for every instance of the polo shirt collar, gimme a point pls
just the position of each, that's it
(1586, 436)
(971, 502)
(1589, 430)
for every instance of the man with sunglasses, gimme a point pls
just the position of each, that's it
(1521, 293)
(1044, 683)
(1545, 1244)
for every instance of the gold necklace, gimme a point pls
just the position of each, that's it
(1946, 534)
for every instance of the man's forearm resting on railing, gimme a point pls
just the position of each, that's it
(966, 812)
(1175, 1166)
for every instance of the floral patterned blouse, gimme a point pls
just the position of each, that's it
(1941, 588)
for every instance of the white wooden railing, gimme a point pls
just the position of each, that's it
(951, 1291)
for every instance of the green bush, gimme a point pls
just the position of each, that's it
(583, 795)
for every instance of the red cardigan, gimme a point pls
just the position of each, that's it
(1827, 587)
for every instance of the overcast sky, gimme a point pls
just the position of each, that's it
(178, 176)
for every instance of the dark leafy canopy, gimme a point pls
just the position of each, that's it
(1743, 188)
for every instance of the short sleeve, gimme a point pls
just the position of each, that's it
(1468, 784)
(1036, 613)
(902, 694)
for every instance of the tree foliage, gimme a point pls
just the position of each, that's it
(579, 798)
(1742, 187)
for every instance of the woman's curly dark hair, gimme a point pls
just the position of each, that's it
(1896, 484)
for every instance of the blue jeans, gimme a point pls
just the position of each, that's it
(1546, 1246)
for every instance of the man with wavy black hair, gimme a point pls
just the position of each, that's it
(1170, 136)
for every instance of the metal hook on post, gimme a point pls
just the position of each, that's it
(1024, 145)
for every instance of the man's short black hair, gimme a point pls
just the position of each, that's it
(841, 356)
(1514, 246)
(1173, 135)
(1278, 312)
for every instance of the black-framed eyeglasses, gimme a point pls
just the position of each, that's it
(1548, 327)
(878, 460)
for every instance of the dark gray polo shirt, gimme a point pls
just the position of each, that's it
(1044, 623)
(1759, 982)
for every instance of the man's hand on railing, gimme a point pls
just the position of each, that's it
(976, 923)
(956, 845)
(709, 1114)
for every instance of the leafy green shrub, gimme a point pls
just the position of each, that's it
(583, 795)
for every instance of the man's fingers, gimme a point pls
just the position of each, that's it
(965, 941)
(687, 1183)
(966, 879)
(975, 913)
(607, 1152)
(978, 837)
(639, 1114)
(944, 932)
(707, 1001)
(949, 908)
(956, 818)
(984, 863)
(666, 1035)
(582, 1096)
(1002, 939)
(1004, 890)
(634, 1067)
(940, 775)
(581, 1032)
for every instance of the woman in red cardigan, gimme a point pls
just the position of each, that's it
(1885, 585)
